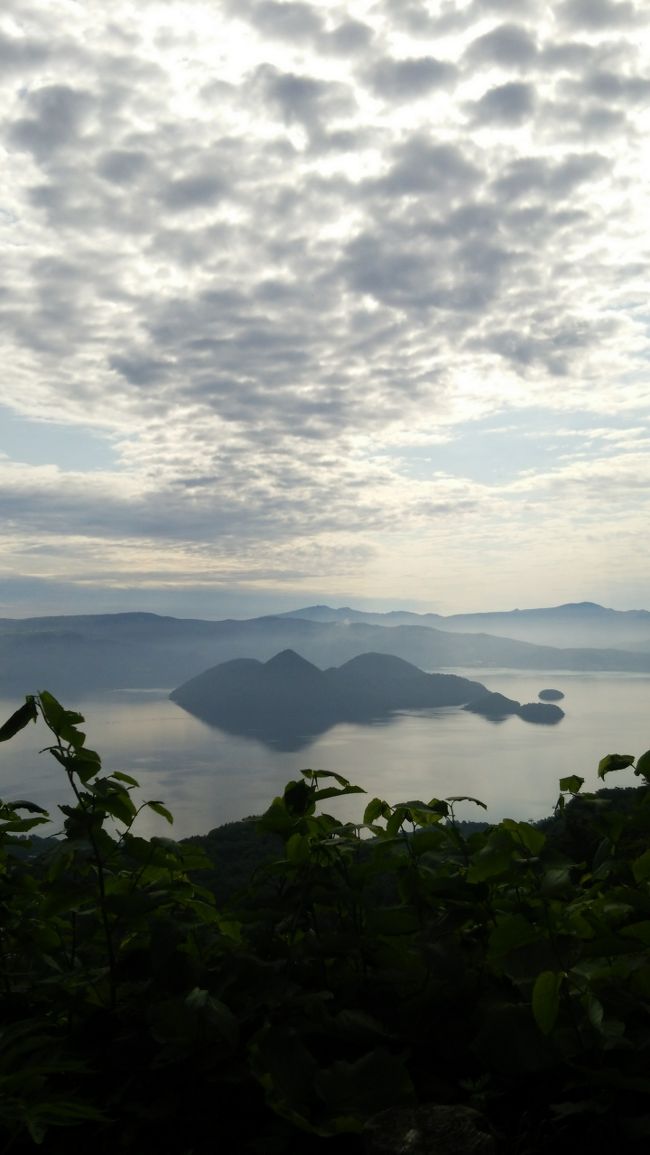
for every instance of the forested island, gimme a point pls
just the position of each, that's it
(288, 700)
(355, 987)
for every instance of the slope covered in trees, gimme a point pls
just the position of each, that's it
(490, 989)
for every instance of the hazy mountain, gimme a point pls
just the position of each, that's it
(78, 655)
(576, 624)
(288, 700)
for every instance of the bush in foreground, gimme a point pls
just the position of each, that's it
(395, 963)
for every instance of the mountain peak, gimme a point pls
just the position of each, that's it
(289, 662)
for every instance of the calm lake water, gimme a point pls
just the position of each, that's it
(207, 777)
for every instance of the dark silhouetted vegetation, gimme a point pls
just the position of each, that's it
(493, 981)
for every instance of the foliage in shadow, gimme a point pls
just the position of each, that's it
(398, 964)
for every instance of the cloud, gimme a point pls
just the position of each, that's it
(304, 100)
(288, 20)
(613, 87)
(557, 179)
(190, 192)
(55, 117)
(507, 46)
(409, 79)
(122, 166)
(508, 105)
(19, 54)
(348, 38)
(260, 250)
(598, 15)
(420, 165)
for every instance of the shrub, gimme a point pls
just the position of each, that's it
(390, 963)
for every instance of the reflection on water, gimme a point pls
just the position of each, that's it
(208, 777)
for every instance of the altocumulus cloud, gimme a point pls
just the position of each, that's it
(271, 249)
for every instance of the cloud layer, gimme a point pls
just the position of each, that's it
(283, 256)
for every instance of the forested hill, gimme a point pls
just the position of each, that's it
(288, 700)
(399, 982)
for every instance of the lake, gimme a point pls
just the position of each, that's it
(207, 777)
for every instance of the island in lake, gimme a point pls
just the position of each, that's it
(287, 701)
(496, 707)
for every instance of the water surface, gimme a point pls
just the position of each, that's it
(207, 777)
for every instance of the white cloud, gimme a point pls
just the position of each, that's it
(257, 246)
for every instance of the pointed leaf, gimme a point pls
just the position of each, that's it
(315, 775)
(526, 834)
(571, 784)
(395, 821)
(546, 1000)
(19, 719)
(337, 792)
(643, 766)
(298, 798)
(160, 809)
(641, 867)
(467, 798)
(21, 804)
(376, 808)
(613, 762)
(122, 777)
(297, 849)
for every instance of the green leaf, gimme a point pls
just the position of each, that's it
(21, 804)
(594, 1009)
(371, 1084)
(284, 1067)
(376, 808)
(119, 806)
(392, 920)
(424, 813)
(641, 867)
(546, 1000)
(158, 808)
(86, 764)
(19, 719)
(638, 930)
(571, 784)
(643, 766)
(490, 861)
(298, 798)
(336, 792)
(276, 820)
(21, 825)
(556, 880)
(316, 775)
(122, 777)
(63, 722)
(297, 848)
(215, 1013)
(395, 821)
(527, 835)
(467, 798)
(510, 933)
(613, 762)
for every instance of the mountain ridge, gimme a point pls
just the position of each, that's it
(591, 625)
(83, 654)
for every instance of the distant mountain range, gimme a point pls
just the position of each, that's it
(79, 655)
(576, 624)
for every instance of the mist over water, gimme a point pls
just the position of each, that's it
(207, 777)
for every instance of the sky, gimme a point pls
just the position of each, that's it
(337, 302)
